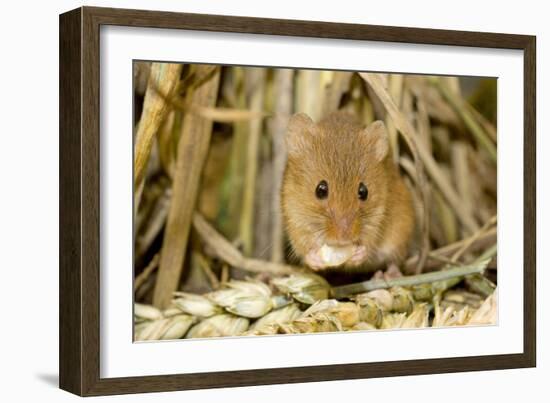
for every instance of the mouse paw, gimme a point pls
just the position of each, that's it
(314, 261)
(359, 256)
(392, 272)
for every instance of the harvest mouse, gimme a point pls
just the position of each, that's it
(344, 202)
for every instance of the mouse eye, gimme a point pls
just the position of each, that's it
(321, 191)
(363, 192)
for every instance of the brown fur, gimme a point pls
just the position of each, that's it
(342, 152)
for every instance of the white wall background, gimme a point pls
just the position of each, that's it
(29, 199)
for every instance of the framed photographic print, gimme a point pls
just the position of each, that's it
(249, 201)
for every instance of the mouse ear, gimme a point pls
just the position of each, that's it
(299, 127)
(379, 138)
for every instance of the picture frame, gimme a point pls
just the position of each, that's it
(80, 154)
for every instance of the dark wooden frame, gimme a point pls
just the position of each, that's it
(79, 200)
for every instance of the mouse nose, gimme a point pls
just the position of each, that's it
(343, 231)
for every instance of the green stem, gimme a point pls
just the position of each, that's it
(477, 267)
